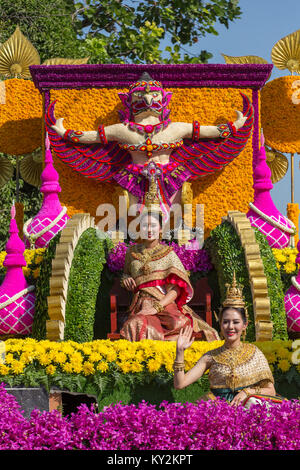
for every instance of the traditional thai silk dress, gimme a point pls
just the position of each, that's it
(155, 271)
(232, 370)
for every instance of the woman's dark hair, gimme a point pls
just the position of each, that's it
(241, 311)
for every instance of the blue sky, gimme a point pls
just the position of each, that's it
(262, 24)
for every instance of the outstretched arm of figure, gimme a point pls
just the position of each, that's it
(187, 130)
(182, 379)
(102, 135)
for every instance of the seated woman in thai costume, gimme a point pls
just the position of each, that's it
(238, 371)
(161, 287)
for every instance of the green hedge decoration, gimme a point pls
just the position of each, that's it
(276, 288)
(83, 287)
(42, 290)
(228, 255)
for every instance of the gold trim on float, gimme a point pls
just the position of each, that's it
(258, 280)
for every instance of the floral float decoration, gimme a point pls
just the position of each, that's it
(263, 213)
(16, 297)
(112, 161)
(52, 217)
(292, 301)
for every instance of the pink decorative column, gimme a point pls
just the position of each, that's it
(263, 213)
(52, 217)
(16, 296)
(292, 301)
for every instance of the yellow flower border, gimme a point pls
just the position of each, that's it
(130, 357)
(286, 259)
(31, 256)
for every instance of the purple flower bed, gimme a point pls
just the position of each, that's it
(174, 426)
(193, 260)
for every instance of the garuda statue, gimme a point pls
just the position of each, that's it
(148, 147)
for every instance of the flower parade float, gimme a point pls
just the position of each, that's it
(73, 274)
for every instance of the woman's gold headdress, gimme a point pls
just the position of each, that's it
(234, 295)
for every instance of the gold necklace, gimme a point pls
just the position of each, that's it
(150, 254)
(233, 358)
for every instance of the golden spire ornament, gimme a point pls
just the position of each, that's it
(31, 167)
(286, 53)
(245, 59)
(6, 171)
(234, 295)
(63, 61)
(16, 55)
(278, 164)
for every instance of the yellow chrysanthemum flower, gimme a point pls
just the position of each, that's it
(67, 367)
(103, 366)
(17, 367)
(125, 366)
(271, 357)
(4, 370)
(284, 365)
(88, 368)
(9, 358)
(136, 367)
(51, 369)
(289, 267)
(60, 357)
(153, 365)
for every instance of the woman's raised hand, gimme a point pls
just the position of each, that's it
(185, 339)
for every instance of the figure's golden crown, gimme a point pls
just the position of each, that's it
(152, 202)
(234, 295)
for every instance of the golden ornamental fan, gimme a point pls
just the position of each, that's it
(6, 171)
(278, 164)
(16, 55)
(31, 167)
(245, 59)
(62, 61)
(286, 53)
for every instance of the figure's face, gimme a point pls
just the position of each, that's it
(149, 102)
(232, 324)
(150, 228)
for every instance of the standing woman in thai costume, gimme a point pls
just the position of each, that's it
(161, 289)
(237, 370)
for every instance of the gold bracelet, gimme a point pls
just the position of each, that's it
(178, 366)
(158, 307)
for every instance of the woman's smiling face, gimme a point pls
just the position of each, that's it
(232, 324)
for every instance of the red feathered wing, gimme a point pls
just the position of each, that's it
(208, 156)
(92, 160)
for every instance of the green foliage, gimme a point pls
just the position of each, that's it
(102, 311)
(30, 197)
(84, 282)
(42, 291)
(275, 287)
(228, 255)
(48, 24)
(121, 31)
